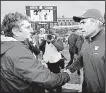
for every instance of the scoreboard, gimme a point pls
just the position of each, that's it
(42, 13)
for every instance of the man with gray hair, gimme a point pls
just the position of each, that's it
(21, 72)
(92, 55)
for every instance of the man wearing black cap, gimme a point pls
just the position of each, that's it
(92, 53)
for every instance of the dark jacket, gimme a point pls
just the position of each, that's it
(20, 70)
(75, 42)
(93, 57)
(79, 42)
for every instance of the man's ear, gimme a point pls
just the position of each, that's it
(15, 32)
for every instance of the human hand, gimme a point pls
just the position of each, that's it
(43, 63)
(34, 40)
(67, 71)
(75, 57)
(71, 68)
(30, 38)
(49, 37)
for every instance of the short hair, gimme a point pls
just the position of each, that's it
(10, 21)
(98, 24)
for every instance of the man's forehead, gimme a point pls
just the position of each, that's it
(25, 23)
